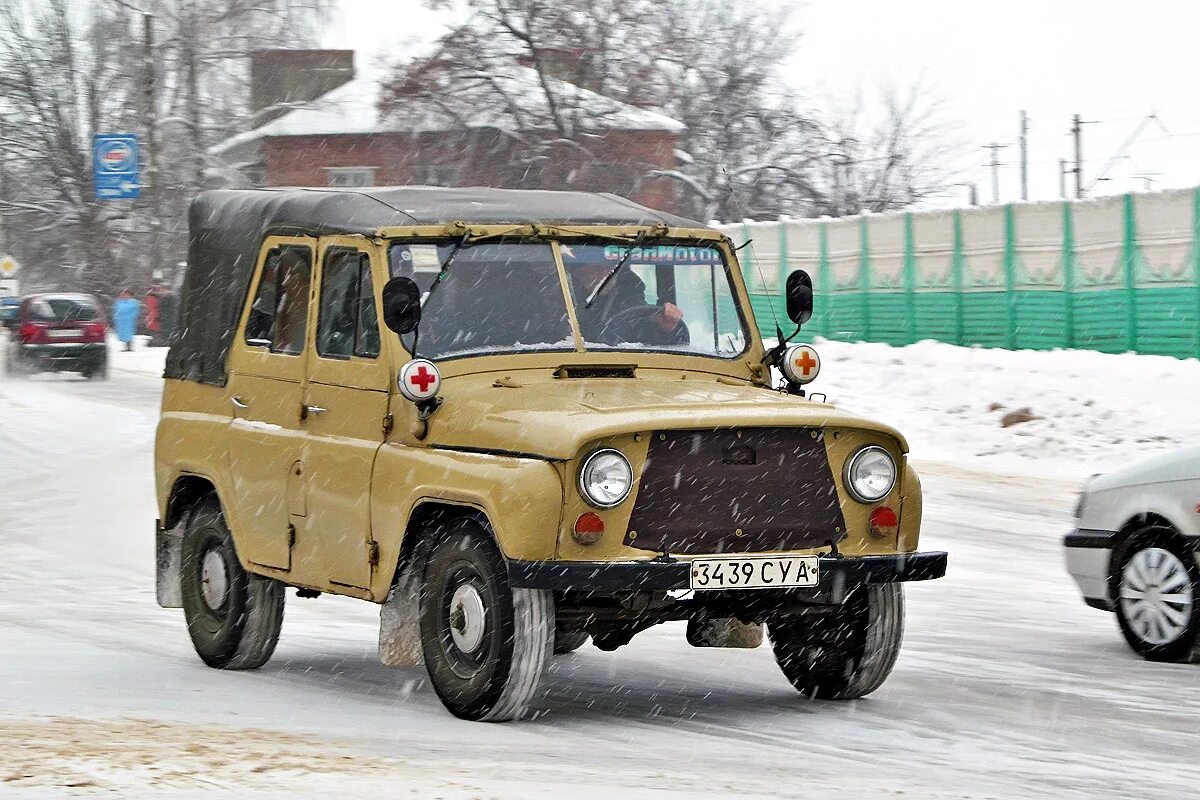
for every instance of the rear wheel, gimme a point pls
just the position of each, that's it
(233, 616)
(97, 371)
(13, 363)
(1158, 597)
(848, 652)
(486, 644)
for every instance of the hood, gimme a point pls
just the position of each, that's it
(536, 413)
(1178, 465)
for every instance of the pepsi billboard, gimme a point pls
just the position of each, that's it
(115, 166)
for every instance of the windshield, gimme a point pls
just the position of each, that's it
(63, 309)
(666, 297)
(506, 297)
(495, 297)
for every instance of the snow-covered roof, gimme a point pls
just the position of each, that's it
(353, 108)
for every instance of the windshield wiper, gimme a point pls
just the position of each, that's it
(459, 245)
(446, 265)
(641, 237)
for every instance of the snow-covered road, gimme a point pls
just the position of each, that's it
(1007, 687)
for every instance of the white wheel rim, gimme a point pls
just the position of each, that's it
(468, 618)
(214, 580)
(1156, 595)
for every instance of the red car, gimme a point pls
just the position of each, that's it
(59, 333)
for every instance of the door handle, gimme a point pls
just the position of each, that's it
(307, 411)
(237, 401)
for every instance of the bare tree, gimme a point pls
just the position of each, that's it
(61, 82)
(751, 145)
(894, 148)
(69, 70)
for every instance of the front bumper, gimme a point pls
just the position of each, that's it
(662, 575)
(1088, 556)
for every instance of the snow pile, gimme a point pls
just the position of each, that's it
(1093, 411)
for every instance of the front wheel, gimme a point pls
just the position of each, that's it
(233, 616)
(1158, 598)
(845, 653)
(486, 644)
(566, 641)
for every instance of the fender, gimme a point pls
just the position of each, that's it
(522, 498)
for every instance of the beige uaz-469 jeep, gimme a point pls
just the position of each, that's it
(516, 419)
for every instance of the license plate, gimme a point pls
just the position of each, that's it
(754, 573)
(61, 334)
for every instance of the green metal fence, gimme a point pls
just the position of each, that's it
(1115, 274)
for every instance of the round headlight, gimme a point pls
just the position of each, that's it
(870, 474)
(605, 478)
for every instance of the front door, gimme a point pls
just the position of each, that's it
(265, 391)
(346, 400)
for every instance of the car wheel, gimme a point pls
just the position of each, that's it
(568, 641)
(97, 371)
(848, 652)
(486, 644)
(1157, 585)
(13, 365)
(233, 616)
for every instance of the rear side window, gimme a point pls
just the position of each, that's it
(279, 315)
(347, 321)
(63, 309)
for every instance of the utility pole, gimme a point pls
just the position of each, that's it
(1062, 178)
(1024, 156)
(1077, 132)
(152, 180)
(995, 165)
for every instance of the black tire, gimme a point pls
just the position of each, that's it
(568, 641)
(847, 653)
(1156, 628)
(13, 364)
(237, 628)
(97, 371)
(485, 661)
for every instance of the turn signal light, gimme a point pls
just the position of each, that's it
(884, 522)
(588, 528)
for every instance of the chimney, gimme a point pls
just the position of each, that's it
(294, 76)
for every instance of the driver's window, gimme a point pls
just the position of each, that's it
(347, 322)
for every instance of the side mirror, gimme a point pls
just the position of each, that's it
(799, 295)
(401, 304)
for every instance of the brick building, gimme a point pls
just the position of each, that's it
(332, 131)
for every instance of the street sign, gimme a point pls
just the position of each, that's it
(115, 166)
(9, 287)
(8, 267)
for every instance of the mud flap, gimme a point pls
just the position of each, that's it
(168, 546)
(400, 622)
(705, 631)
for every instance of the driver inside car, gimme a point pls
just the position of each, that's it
(620, 313)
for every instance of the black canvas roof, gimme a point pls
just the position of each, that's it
(227, 227)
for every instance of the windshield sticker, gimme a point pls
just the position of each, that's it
(658, 254)
(424, 257)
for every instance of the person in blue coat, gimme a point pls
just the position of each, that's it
(125, 312)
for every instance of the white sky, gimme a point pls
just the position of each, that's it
(1109, 60)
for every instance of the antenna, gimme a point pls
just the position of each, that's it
(750, 243)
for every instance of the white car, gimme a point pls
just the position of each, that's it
(1136, 551)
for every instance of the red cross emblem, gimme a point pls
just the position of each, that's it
(419, 380)
(801, 364)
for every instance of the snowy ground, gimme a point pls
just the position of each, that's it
(1008, 686)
